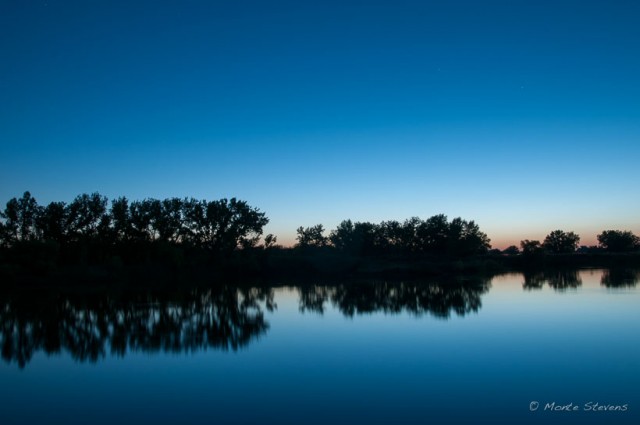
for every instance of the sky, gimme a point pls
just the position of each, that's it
(521, 115)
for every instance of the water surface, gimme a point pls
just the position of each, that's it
(450, 350)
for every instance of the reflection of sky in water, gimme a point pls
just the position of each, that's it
(576, 345)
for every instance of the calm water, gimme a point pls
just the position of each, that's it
(371, 353)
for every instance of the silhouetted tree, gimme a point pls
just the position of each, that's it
(618, 240)
(140, 220)
(530, 248)
(393, 235)
(87, 216)
(366, 237)
(342, 236)
(3, 234)
(433, 234)
(465, 238)
(559, 242)
(358, 238)
(409, 234)
(193, 227)
(270, 241)
(20, 217)
(10, 225)
(88, 232)
(52, 222)
(168, 219)
(27, 213)
(120, 219)
(233, 223)
(511, 250)
(311, 236)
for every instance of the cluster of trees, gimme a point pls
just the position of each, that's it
(92, 229)
(556, 242)
(618, 241)
(561, 242)
(221, 225)
(435, 235)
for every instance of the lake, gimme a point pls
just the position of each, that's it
(544, 347)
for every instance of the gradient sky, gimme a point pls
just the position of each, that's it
(523, 116)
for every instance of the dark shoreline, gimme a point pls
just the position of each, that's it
(39, 265)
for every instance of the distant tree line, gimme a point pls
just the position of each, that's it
(456, 238)
(435, 235)
(224, 235)
(561, 242)
(217, 225)
(556, 242)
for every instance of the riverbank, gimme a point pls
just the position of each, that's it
(157, 265)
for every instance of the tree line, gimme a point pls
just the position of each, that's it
(227, 225)
(219, 225)
(456, 238)
(561, 242)
(435, 235)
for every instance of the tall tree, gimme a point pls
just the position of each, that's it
(230, 224)
(433, 234)
(559, 242)
(87, 216)
(193, 229)
(530, 247)
(169, 221)
(140, 219)
(391, 235)
(120, 218)
(3, 233)
(52, 222)
(27, 213)
(618, 240)
(20, 217)
(342, 236)
(358, 238)
(11, 221)
(311, 236)
(470, 240)
(408, 233)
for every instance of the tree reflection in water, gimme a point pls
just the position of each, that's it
(562, 280)
(90, 326)
(620, 278)
(438, 298)
(559, 280)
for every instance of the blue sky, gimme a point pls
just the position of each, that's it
(523, 116)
